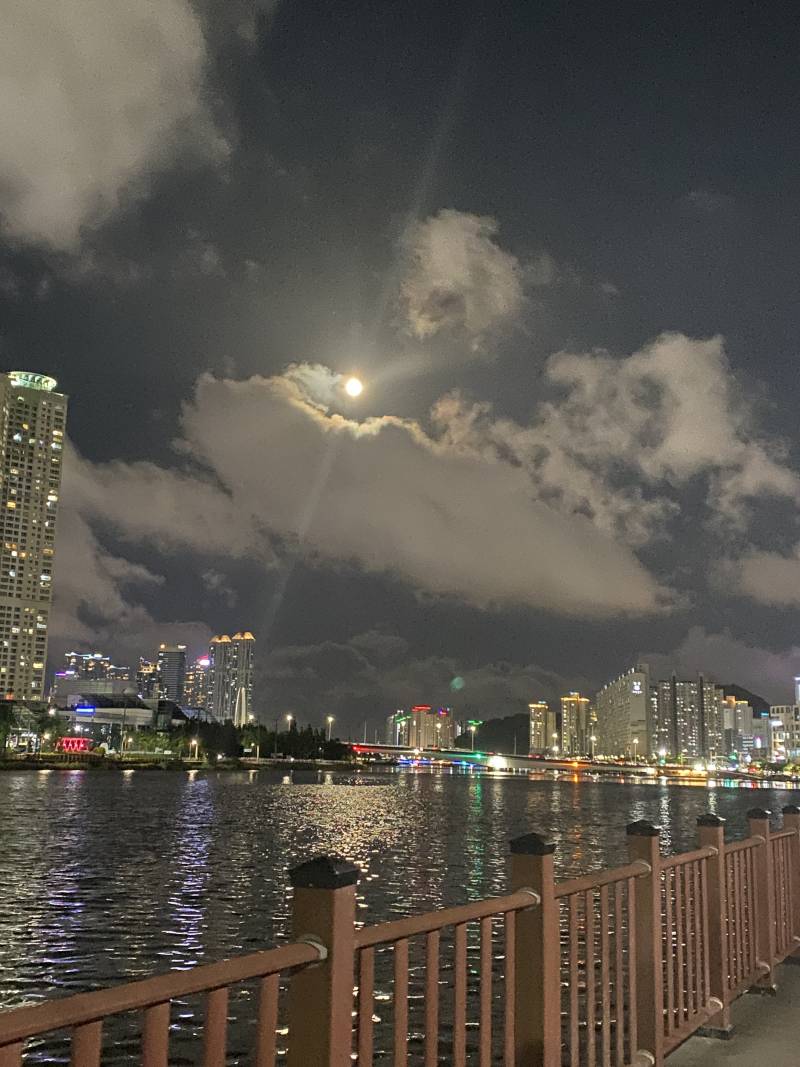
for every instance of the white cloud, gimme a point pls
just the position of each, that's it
(269, 460)
(625, 437)
(728, 660)
(384, 494)
(458, 278)
(768, 577)
(97, 94)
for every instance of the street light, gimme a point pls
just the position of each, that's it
(472, 730)
(126, 693)
(593, 739)
(329, 720)
(636, 750)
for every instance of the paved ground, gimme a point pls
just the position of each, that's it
(766, 1032)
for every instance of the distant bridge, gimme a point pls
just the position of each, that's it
(504, 761)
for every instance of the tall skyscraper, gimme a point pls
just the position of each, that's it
(171, 671)
(575, 724)
(195, 685)
(33, 418)
(230, 677)
(623, 708)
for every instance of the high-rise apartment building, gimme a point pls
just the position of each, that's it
(784, 732)
(171, 672)
(147, 679)
(539, 740)
(737, 726)
(426, 727)
(230, 677)
(195, 684)
(397, 728)
(33, 418)
(623, 709)
(690, 723)
(575, 724)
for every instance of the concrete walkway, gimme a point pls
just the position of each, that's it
(766, 1031)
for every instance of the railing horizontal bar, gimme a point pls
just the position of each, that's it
(20, 1023)
(776, 835)
(587, 882)
(687, 857)
(386, 933)
(742, 846)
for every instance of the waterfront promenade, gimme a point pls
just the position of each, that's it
(614, 967)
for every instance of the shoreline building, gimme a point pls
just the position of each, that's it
(624, 714)
(195, 683)
(33, 419)
(147, 679)
(690, 718)
(171, 672)
(542, 725)
(422, 727)
(576, 725)
(230, 677)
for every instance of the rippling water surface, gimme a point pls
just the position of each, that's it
(108, 876)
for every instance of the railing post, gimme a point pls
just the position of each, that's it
(537, 991)
(758, 819)
(321, 996)
(644, 844)
(711, 832)
(791, 821)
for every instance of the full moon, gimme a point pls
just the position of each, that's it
(353, 387)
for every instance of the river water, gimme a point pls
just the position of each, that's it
(108, 876)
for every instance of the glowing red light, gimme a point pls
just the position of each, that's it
(73, 744)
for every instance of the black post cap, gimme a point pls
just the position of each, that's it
(531, 845)
(642, 828)
(790, 809)
(710, 819)
(758, 813)
(324, 872)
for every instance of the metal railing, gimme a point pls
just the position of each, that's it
(611, 969)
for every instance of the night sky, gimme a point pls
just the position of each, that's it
(558, 243)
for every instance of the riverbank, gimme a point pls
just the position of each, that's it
(70, 762)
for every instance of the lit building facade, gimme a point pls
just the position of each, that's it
(737, 726)
(33, 419)
(783, 733)
(540, 719)
(230, 677)
(147, 679)
(195, 683)
(430, 727)
(575, 725)
(690, 719)
(397, 729)
(623, 711)
(171, 672)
